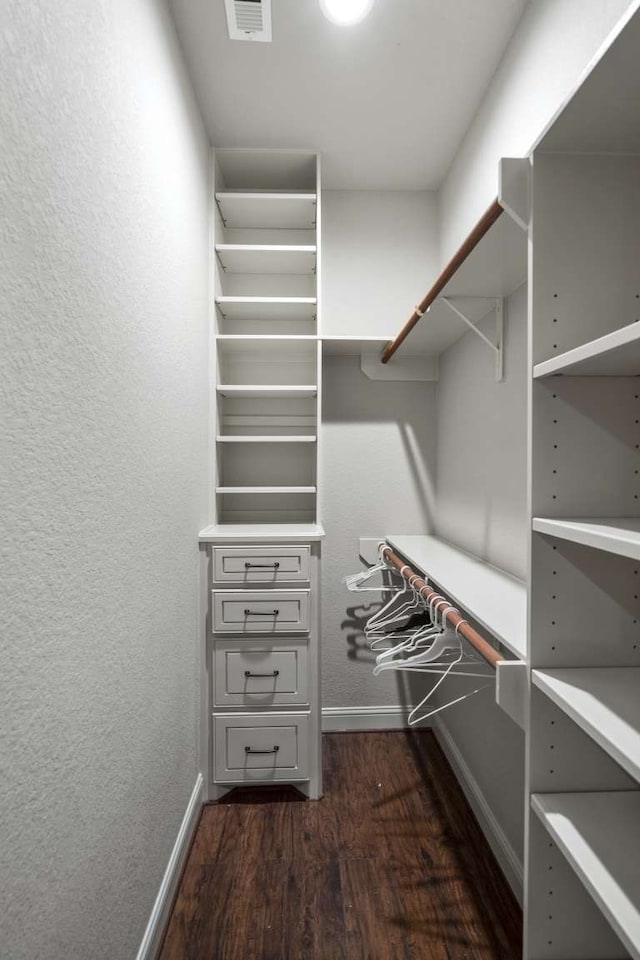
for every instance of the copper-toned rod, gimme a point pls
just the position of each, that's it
(485, 649)
(474, 238)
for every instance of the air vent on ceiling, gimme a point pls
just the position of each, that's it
(249, 19)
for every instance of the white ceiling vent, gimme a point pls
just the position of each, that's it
(249, 19)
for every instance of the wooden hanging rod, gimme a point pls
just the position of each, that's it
(474, 238)
(485, 649)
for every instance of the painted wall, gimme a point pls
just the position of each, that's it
(378, 477)
(550, 49)
(378, 469)
(482, 444)
(481, 506)
(104, 390)
(379, 252)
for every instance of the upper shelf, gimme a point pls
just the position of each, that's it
(291, 211)
(491, 263)
(266, 258)
(617, 354)
(267, 308)
(602, 116)
(620, 535)
(497, 601)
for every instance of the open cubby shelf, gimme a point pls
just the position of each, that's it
(280, 211)
(596, 833)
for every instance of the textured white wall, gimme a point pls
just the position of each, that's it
(379, 253)
(482, 444)
(551, 47)
(103, 177)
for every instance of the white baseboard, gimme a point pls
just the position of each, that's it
(495, 835)
(343, 719)
(159, 918)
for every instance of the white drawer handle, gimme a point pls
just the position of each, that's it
(248, 673)
(262, 566)
(250, 750)
(261, 613)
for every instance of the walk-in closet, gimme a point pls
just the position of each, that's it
(321, 567)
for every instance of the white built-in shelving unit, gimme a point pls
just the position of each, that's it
(261, 555)
(267, 354)
(583, 830)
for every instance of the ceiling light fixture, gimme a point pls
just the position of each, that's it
(345, 12)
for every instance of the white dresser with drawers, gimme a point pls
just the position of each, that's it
(260, 612)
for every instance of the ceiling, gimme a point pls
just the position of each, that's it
(386, 102)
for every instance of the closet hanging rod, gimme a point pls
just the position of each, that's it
(485, 649)
(482, 226)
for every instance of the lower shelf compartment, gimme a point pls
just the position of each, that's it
(599, 834)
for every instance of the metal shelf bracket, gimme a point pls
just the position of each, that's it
(496, 347)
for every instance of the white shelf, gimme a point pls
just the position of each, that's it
(604, 702)
(267, 490)
(249, 338)
(492, 597)
(266, 258)
(619, 535)
(261, 390)
(258, 532)
(495, 268)
(615, 355)
(291, 211)
(267, 308)
(257, 439)
(599, 834)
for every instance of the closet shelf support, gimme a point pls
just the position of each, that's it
(496, 347)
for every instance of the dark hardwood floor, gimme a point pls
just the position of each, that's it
(390, 865)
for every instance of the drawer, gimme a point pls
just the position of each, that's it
(251, 676)
(271, 747)
(249, 565)
(263, 612)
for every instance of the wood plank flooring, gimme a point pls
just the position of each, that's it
(389, 865)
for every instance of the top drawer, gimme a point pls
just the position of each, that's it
(250, 565)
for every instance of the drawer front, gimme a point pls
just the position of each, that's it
(264, 612)
(248, 565)
(246, 676)
(263, 748)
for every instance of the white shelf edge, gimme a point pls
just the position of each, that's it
(232, 389)
(593, 697)
(591, 829)
(266, 490)
(619, 535)
(263, 195)
(271, 337)
(595, 349)
(256, 300)
(266, 248)
(252, 438)
(282, 532)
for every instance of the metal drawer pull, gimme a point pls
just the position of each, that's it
(261, 613)
(273, 750)
(262, 566)
(248, 673)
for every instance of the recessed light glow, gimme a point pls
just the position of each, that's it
(345, 12)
